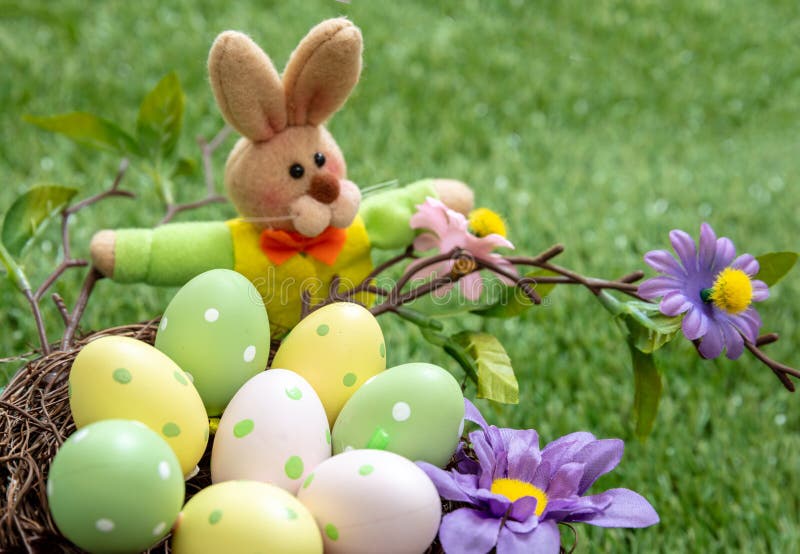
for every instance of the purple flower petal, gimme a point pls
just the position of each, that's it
(563, 449)
(674, 303)
(523, 508)
(658, 286)
(523, 455)
(523, 526)
(445, 483)
(760, 290)
(497, 504)
(723, 255)
(684, 247)
(748, 323)
(747, 263)
(626, 509)
(664, 262)
(711, 346)
(695, 324)
(471, 413)
(600, 457)
(544, 539)
(566, 481)
(468, 531)
(708, 245)
(734, 343)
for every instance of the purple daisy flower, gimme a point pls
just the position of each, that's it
(713, 287)
(517, 494)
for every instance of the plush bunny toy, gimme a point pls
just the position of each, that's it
(302, 221)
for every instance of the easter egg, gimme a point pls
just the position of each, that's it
(216, 328)
(415, 410)
(273, 430)
(115, 486)
(336, 348)
(116, 377)
(245, 516)
(372, 501)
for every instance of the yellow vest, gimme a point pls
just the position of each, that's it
(281, 285)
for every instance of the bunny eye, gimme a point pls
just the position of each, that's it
(296, 171)
(319, 159)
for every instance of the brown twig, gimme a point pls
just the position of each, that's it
(781, 371)
(62, 307)
(92, 277)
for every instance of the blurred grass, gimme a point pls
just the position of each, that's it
(600, 125)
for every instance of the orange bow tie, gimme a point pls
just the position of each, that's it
(281, 245)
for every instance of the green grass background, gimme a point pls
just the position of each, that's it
(601, 125)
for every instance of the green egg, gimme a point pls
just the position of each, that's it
(415, 410)
(217, 330)
(115, 486)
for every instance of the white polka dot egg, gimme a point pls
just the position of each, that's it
(216, 328)
(372, 501)
(121, 377)
(274, 430)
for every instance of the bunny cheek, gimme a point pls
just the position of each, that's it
(345, 207)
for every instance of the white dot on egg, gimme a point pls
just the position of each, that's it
(401, 411)
(249, 353)
(80, 435)
(163, 470)
(163, 323)
(211, 315)
(104, 525)
(158, 529)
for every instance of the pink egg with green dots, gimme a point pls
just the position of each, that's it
(367, 501)
(274, 430)
(115, 486)
(216, 328)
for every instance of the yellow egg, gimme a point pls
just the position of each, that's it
(245, 516)
(123, 378)
(337, 349)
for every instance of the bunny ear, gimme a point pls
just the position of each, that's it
(322, 71)
(247, 87)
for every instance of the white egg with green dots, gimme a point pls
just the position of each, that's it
(367, 501)
(115, 486)
(216, 328)
(245, 516)
(336, 348)
(274, 430)
(415, 410)
(115, 377)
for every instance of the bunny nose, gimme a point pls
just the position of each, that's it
(324, 188)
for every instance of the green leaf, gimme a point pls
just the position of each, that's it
(30, 212)
(512, 302)
(14, 271)
(186, 167)
(161, 117)
(648, 387)
(775, 265)
(496, 379)
(647, 328)
(87, 129)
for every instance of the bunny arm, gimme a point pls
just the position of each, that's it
(387, 215)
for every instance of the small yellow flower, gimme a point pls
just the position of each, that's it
(483, 222)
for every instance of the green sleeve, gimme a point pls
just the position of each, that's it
(172, 254)
(387, 214)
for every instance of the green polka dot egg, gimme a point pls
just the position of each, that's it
(274, 430)
(216, 328)
(415, 410)
(245, 516)
(372, 501)
(116, 377)
(115, 486)
(337, 349)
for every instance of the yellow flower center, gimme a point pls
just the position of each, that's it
(732, 291)
(484, 221)
(514, 489)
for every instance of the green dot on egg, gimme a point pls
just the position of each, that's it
(323, 330)
(243, 428)
(291, 514)
(179, 377)
(294, 393)
(349, 380)
(308, 480)
(332, 531)
(294, 467)
(171, 429)
(366, 469)
(214, 517)
(122, 376)
(382, 350)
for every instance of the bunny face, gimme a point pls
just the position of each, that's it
(287, 172)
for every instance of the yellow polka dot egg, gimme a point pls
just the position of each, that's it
(274, 430)
(116, 377)
(245, 516)
(336, 348)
